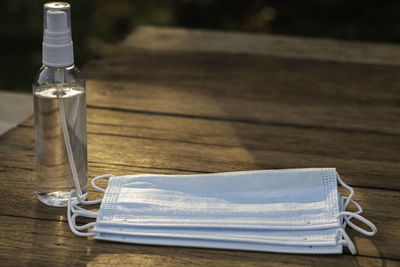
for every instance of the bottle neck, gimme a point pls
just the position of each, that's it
(69, 67)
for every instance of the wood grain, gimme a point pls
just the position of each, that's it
(51, 243)
(19, 193)
(366, 160)
(249, 88)
(23, 203)
(179, 39)
(186, 101)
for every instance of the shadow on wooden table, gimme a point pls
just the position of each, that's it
(192, 111)
(52, 242)
(213, 112)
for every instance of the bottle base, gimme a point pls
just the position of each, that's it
(57, 199)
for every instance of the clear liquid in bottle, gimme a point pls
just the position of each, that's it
(54, 174)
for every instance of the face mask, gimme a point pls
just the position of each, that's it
(294, 211)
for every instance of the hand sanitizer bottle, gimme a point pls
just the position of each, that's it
(60, 113)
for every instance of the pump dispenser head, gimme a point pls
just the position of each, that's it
(57, 42)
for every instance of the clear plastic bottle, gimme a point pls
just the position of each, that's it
(60, 113)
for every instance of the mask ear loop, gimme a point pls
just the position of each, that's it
(359, 210)
(355, 203)
(346, 241)
(71, 218)
(74, 211)
(348, 188)
(347, 216)
(350, 214)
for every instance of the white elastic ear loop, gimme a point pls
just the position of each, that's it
(71, 218)
(355, 203)
(347, 216)
(347, 241)
(96, 201)
(59, 79)
(348, 188)
(360, 218)
(84, 213)
(359, 211)
(86, 226)
(74, 211)
(341, 233)
(98, 178)
(356, 214)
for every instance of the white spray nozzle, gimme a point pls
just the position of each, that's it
(57, 22)
(57, 42)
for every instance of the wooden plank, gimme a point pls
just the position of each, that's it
(19, 193)
(152, 38)
(22, 202)
(257, 89)
(51, 243)
(370, 146)
(372, 151)
(368, 160)
(183, 109)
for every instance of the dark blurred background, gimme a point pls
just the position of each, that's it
(110, 21)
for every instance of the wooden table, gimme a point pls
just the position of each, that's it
(183, 101)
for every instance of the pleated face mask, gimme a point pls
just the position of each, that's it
(292, 211)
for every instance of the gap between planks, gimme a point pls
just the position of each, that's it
(325, 151)
(238, 120)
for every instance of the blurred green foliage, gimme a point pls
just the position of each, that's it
(110, 21)
(21, 27)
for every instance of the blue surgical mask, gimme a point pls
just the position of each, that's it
(293, 211)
